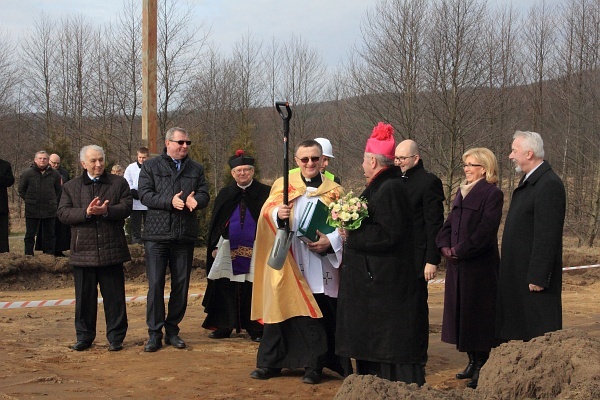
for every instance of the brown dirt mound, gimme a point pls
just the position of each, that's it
(560, 365)
(360, 387)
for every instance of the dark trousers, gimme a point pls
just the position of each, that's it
(48, 236)
(136, 220)
(112, 286)
(298, 342)
(178, 257)
(4, 233)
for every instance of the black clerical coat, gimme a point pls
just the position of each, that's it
(225, 203)
(378, 299)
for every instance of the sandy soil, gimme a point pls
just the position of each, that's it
(37, 362)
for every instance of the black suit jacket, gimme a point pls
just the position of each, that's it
(427, 200)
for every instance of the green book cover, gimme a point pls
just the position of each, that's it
(314, 217)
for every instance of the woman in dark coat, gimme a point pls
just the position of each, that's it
(468, 241)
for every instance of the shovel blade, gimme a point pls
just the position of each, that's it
(283, 241)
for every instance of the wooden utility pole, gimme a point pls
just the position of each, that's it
(149, 43)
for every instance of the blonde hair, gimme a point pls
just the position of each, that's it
(486, 158)
(117, 170)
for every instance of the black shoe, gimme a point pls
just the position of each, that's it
(115, 346)
(311, 376)
(221, 333)
(153, 345)
(255, 339)
(81, 345)
(175, 341)
(264, 373)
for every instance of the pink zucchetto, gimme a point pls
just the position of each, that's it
(382, 141)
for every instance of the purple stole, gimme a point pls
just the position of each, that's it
(242, 230)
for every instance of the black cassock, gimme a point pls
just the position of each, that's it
(226, 303)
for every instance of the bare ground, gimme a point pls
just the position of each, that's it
(37, 362)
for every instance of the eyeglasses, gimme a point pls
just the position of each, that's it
(181, 142)
(242, 170)
(469, 165)
(402, 158)
(305, 160)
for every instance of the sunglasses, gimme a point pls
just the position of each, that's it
(181, 142)
(305, 160)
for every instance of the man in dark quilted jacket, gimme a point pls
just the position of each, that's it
(173, 188)
(95, 205)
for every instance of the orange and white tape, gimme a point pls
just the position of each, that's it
(69, 302)
(53, 303)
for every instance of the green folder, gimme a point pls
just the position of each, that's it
(314, 217)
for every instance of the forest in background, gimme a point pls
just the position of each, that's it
(450, 74)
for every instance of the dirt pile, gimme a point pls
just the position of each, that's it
(559, 365)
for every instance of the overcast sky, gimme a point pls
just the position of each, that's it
(330, 26)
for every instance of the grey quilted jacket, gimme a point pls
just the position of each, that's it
(159, 182)
(96, 241)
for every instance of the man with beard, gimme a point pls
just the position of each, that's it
(529, 297)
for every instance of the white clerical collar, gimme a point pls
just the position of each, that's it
(246, 186)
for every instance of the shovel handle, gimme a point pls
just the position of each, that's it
(284, 116)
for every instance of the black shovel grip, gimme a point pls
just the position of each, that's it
(285, 116)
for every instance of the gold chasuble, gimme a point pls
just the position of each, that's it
(280, 295)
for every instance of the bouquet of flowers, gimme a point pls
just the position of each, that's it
(347, 212)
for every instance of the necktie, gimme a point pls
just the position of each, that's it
(177, 164)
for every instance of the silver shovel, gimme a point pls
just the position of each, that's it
(283, 237)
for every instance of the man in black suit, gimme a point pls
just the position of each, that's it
(427, 200)
(529, 295)
(7, 179)
(62, 232)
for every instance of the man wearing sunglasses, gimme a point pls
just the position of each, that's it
(173, 188)
(298, 303)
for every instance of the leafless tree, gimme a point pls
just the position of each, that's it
(39, 52)
(180, 43)
(8, 74)
(126, 54)
(539, 42)
(302, 84)
(503, 74)
(387, 72)
(579, 101)
(456, 69)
